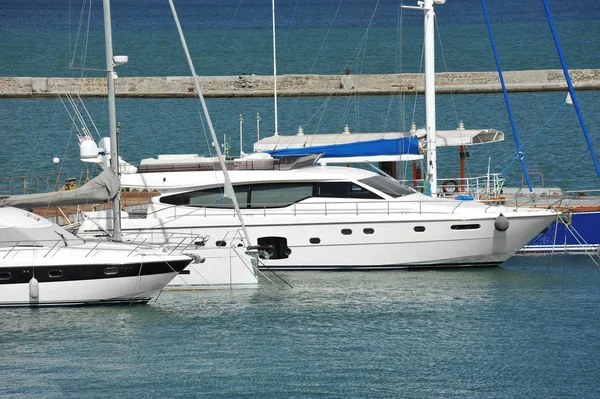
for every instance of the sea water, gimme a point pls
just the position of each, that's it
(526, 329)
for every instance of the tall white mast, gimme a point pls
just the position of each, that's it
(112, 117)
(274, 67)
(430, 94)
(429, 39)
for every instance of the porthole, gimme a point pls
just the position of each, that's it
(184, 272)
(465, 226)
(346, 232)
(55, 273)
(368, 231)
(419, 229)
(221, 243)
(111, 270)
(315, 240)
(5, 276)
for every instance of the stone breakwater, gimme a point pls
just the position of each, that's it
(300, 85)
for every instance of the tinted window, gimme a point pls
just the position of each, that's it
(212, 197)
(343, 190)
(277, 195)
(389, 186)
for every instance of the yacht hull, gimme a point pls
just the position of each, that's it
(366, 241)
(102, 283)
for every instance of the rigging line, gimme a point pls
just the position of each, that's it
(287, 34)
(554, 239)
(592, 254)
(297, 99)
(320, 109)
(89, 117)
(87, 40)
(77, 113)
(253, 268)
(452, 95)
(211, 59)
(506, 100)
(571, 88)
(414, 113)
(446, 69)
(325, 38)
(322, 115)
(511, 159)
(83, 57)
(203, 130)
(196, 291)
(360, 56)
(276, 275)
(68, 112)
(345, 112)
(73, 48)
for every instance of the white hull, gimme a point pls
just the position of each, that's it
(368, 240)
(223, 268)
(106, 291)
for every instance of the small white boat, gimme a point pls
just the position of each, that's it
(42, 264)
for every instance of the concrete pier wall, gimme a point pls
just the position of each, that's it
(300, 85)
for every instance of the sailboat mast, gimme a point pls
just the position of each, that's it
(274, 68)
(430, 95)
(228, 187)
(112, 117)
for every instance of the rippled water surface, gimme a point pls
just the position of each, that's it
(527, 329)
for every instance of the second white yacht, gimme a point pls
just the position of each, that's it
(305, 216)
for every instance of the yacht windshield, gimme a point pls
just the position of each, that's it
(388, 186)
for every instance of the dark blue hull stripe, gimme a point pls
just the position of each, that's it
(45, 274)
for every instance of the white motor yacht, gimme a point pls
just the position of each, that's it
(305, 216)
(42, 264)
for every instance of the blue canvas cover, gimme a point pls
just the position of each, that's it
(399, 146)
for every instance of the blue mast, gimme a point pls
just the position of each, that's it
(510, 115)
(570, 85)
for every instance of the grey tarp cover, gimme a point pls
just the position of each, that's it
(100, 189)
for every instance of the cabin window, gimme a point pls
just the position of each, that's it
(315, 240)
(419, 229)
(5, 276)
(368, 231)
(279, 194)
(465, 226)
(55, 273)
(111, 270)
(388, 186)
(343, 190)
(221, 243)
(212, 197)
(346, 232)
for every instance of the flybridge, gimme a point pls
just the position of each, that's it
(194, 162)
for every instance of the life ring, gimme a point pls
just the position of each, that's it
(445, 186)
